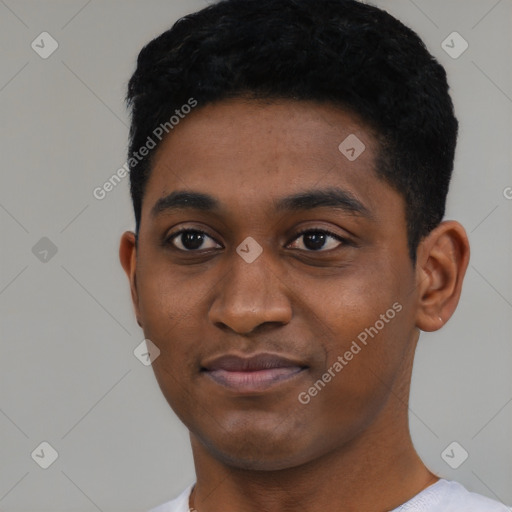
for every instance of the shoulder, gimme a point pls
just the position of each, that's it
(460, 499)
(179, 504)
(451, 496)
(443, 496)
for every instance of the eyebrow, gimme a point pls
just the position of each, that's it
(333, 197)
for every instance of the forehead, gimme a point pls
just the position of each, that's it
(249, 154)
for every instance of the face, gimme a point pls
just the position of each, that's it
(272, 272)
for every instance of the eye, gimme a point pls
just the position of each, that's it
(315, 239)
(191, 240)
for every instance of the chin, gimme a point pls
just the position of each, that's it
(257, 461)
(259, 451)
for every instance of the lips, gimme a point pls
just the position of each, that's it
(252, 374)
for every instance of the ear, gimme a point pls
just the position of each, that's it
(442, 260)
(128, 258)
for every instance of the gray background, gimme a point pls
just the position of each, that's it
(68, 374)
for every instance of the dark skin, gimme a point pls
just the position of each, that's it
(349, 448)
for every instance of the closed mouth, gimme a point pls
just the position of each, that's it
(252, 374)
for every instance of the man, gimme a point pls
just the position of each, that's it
(290, 161)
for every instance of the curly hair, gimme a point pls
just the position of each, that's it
(343, 52)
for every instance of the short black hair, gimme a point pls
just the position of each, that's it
(343, 52)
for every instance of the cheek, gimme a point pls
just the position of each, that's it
(169, 319)
(350, 306)
(166, 300)
(367, 330)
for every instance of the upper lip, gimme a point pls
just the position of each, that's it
(262, 361)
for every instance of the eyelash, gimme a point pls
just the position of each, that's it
(169, 240)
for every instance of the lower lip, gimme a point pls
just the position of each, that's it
(253, 381)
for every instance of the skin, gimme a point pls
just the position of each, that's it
(349, 448)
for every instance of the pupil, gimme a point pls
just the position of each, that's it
(192, 240)
(318, 240)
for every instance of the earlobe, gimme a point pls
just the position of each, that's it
(443, 258)
(128, 259)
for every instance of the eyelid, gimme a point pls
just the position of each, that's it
(318, 229)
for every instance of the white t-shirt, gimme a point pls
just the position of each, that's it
(442, 496)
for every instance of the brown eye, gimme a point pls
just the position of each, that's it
(191, 240)
(319, 240)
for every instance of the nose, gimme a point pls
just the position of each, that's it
(250, 295)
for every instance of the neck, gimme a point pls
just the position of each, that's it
(370, 476)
